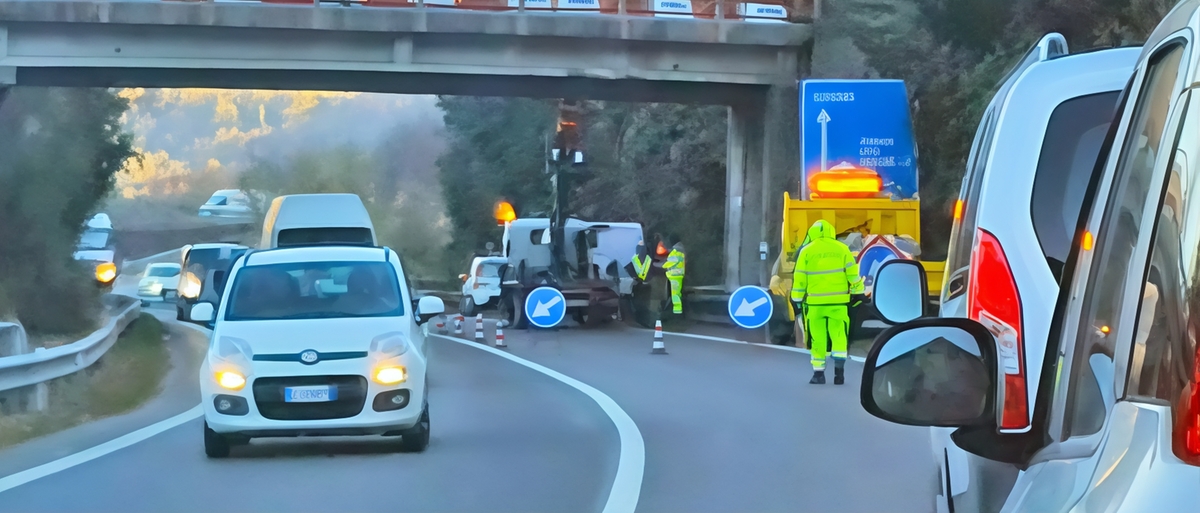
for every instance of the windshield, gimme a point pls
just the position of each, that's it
(303, 236)
(217, 200)
(315, 290)
(488, 270)
(94, 239)
(201, 261)
(163, 271)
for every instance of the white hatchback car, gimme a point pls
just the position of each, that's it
(158, 282)
(288, 357)
(1115, 422)
(481, 287)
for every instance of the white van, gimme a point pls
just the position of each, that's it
(306, 219)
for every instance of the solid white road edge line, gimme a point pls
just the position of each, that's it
(25, 476)
(86, 455)
(627, 484)
(743, 342)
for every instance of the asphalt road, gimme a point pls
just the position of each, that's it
(727, 427)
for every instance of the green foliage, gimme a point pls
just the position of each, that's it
(661, 165)
(409, 221)
(59, 150)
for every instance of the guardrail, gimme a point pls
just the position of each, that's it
(777, 11)
(23, 376)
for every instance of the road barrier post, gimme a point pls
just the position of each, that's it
(479, 328)
(458, 322)
(500, 337)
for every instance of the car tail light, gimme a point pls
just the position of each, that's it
(994, 301)
(1187, 427)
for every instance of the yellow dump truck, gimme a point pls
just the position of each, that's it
(854, 219)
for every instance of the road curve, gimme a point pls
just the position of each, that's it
(504, 438)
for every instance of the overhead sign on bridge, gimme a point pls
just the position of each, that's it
(864, 123)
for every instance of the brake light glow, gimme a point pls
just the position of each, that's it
(994, 301)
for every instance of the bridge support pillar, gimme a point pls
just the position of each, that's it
(762, 161)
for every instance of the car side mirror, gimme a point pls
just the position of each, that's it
(202, 312)
(900, 291)
(932, 372)
(429, 307)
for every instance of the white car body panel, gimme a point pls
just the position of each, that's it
(482, 288)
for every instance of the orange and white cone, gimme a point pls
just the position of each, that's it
(440, 325)
(659, 347)
(500, 337)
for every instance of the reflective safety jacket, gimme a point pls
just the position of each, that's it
(641, 266)
(826, 273)
(675, 261)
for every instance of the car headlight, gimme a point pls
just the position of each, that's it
(231, 380)
(389, 345)
(190, 286)
(390, 375)
(106, 272)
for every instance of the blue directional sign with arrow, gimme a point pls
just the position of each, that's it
(872, 257)
(750, 307)
(865, 123)
(545, 307)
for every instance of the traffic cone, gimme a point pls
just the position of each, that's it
(440, 325)
(659, 347)
(479, 328)
(458, 322)
(500, 337)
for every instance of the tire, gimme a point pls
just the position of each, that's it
(469, 307)
(580, 316)
(516, 306)
(215, 445)
(416, 439)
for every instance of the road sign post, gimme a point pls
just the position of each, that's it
(750, 307)
(865, 123)
(545, 307)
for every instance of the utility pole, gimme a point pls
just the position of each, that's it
(565, 156)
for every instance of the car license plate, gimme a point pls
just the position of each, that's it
(313, 394)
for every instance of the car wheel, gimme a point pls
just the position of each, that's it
(215, 445)
(516, 310)
(416, 439)
(468, 307)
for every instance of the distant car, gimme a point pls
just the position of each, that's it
(201, 263)
(481, 286)
(159, 282)
(291, 358)
(227, 203)
(96, 251)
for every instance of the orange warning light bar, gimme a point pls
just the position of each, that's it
(504, 212)
(847, 183)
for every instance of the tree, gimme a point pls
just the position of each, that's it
(59, 151)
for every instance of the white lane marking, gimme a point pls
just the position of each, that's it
(116, 444)
(86, 455)
(627, 484)
(743, 342)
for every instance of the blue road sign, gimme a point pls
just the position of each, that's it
(750, 307)
(545, 307)
(864, 123)
(871, 258)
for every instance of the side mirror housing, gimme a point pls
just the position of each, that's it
(900, 291)
(203, 312)
(429, 307)
(932, 372)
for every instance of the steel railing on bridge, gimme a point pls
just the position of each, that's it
(760, 11)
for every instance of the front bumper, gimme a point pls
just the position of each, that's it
(268, 416)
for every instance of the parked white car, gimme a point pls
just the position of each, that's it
(288, 358)
(481, 286)
(1113, 416)
(158, 282)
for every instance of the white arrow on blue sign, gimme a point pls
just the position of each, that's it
(750, 307)
(869, 261)
(545, 307)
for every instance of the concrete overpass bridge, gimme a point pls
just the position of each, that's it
(617, 53)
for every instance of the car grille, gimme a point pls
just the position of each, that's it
(351, 396)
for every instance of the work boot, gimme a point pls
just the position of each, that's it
(818, 378)
(839, 376)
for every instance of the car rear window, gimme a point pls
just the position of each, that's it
(1068, 157)
(302, 236)
(163, 271)
(315, 290)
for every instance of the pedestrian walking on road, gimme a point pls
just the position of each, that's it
(824, 285)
